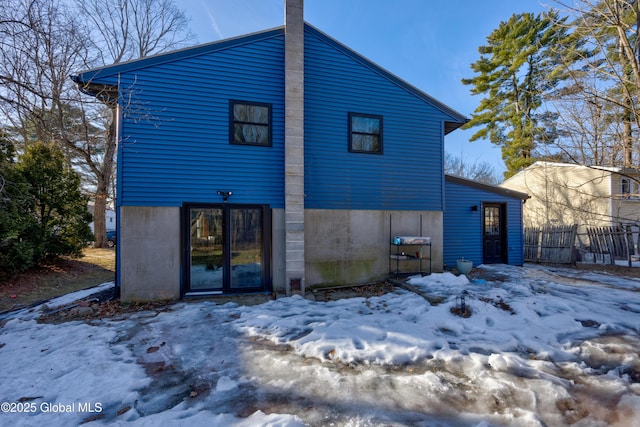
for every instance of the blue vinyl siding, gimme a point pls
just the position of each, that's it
(175, 130)
(407, 176)
(463, 227)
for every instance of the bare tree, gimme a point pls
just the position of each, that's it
(603, 81)
(128, 29)
(477, 171)
(591, 130)
(40, 43)
(37, 49)
(43, 42)
(120, 31)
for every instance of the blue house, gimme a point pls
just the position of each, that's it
(268, 163)
(482, 223)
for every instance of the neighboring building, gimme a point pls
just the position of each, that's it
(269, 162)
(566, 194)
(482, 223)
(109, 218)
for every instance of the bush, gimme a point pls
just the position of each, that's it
(43, 213)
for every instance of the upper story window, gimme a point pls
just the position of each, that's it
(365, 133)
(629, 189)
(250, 123)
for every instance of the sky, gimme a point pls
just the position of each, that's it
(429, 44)
(542, 346)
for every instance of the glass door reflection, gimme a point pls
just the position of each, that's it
(207, 254)
(246, 247)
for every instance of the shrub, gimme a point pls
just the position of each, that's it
(44, 214)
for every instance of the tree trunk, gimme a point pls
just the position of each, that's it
(99, 221)
(627, 111)
(102, 186)
(627, 137)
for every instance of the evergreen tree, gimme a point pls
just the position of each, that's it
(515, 70)
(44, 213)
(16, 248)
(58, 205)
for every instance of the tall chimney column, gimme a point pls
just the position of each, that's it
(294, 145)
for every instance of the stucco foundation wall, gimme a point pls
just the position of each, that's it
(149, 253)
(352, 246)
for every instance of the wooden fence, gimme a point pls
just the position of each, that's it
(550, 244)
(531, 244)
(611, 243)
(597, 244)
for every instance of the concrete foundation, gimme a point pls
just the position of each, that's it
(342, 247)
(349, 246)
(149, 248)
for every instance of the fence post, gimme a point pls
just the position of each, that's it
(628, 242)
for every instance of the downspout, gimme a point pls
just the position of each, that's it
(118, 118)
(294, 147)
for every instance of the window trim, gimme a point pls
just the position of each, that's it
(633, 188)
(351, 115)
(232, 123)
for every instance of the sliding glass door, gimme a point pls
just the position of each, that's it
(246, 237)
(227, 248)
(207, 249)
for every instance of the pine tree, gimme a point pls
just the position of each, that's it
(16, 224)
(515, 70)
(43, 213)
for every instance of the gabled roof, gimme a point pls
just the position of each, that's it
(92, 81)
(175, 55)
(492, 188)
(543, 164)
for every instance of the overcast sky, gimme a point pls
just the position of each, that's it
(430, 44)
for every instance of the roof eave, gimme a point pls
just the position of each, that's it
(107, 94)
(178, 54)
(451, 126)
(487, 187)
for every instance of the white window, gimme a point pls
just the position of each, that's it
(629, 189)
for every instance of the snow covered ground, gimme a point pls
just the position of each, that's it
(542, 347)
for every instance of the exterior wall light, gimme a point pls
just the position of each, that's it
(225, 194)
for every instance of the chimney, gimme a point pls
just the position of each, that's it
(294, 145)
